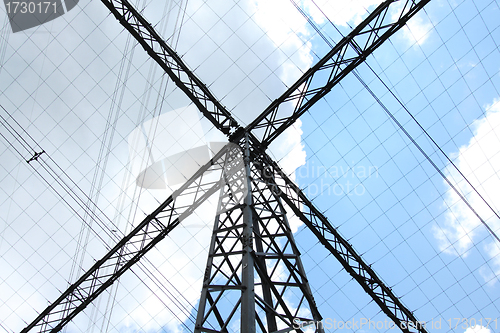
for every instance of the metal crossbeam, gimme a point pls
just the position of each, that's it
(339, 247)
(136, 244)
(310, 88)
(345, 56)
(172, 64)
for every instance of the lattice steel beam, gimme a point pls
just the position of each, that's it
(310, 88)
(173, 65)
(136, 244)
(339, 247)
(346, 55)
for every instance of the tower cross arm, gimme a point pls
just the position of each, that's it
(350, 52)
(339, 247)
(172, 64)
(131, 248)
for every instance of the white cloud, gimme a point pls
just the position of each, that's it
(416, 30)
(290, 149)
(342, 13)
(479, 161)
(477, 329)
(284, 25)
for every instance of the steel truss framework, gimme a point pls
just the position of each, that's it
(254, 240)
(251, 229)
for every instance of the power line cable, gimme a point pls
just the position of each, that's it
(356, 74)
(462, 197)
(427, 156)
(38, 155)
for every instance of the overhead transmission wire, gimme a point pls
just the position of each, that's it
(105, 150)
(101, 166)
(371, 92)
(415, 143)
(153, 67)
(412, 140)
(94, 194)
(461, 196)
(112, 124)
(69, 186)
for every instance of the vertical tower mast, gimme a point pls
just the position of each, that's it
(247, 261)
(254, 274)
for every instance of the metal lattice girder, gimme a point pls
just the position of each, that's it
(172, 64)
(351, 51)
(346, 55)
(141, 239)
(254, 266)
(340, 248)
(310, 88)
(275, 253)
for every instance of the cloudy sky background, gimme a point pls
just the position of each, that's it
(80, 87)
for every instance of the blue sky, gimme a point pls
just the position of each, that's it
(447, 77)
(80, 87)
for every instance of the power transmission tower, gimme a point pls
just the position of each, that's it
(254, 264)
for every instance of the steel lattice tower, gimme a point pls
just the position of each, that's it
(253, 259)
(254, 273)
